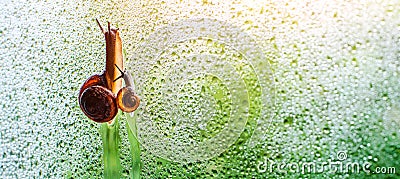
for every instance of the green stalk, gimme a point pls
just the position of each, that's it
(111, 139)
(134, 147)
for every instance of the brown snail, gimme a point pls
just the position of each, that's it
(127, 100)
(97, 96)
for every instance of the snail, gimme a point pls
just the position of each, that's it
(100, 96)
(127, 100)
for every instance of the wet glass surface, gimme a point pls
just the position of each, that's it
(226, 88)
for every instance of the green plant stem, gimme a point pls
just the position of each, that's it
(134, 147)
(111, 139)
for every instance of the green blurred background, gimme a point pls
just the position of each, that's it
(281, 81)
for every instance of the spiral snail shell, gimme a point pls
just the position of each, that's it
(127, 99)
(96, 101)
(97, 96)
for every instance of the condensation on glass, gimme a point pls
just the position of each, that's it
(224, 86)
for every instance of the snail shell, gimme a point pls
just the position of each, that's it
(96, 101)
(127, 100)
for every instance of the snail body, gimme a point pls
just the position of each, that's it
(100, 96)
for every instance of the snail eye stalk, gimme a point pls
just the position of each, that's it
(101, 28)
(122, 73)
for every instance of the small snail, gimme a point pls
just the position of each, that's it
(127, 99)
(97, 96)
